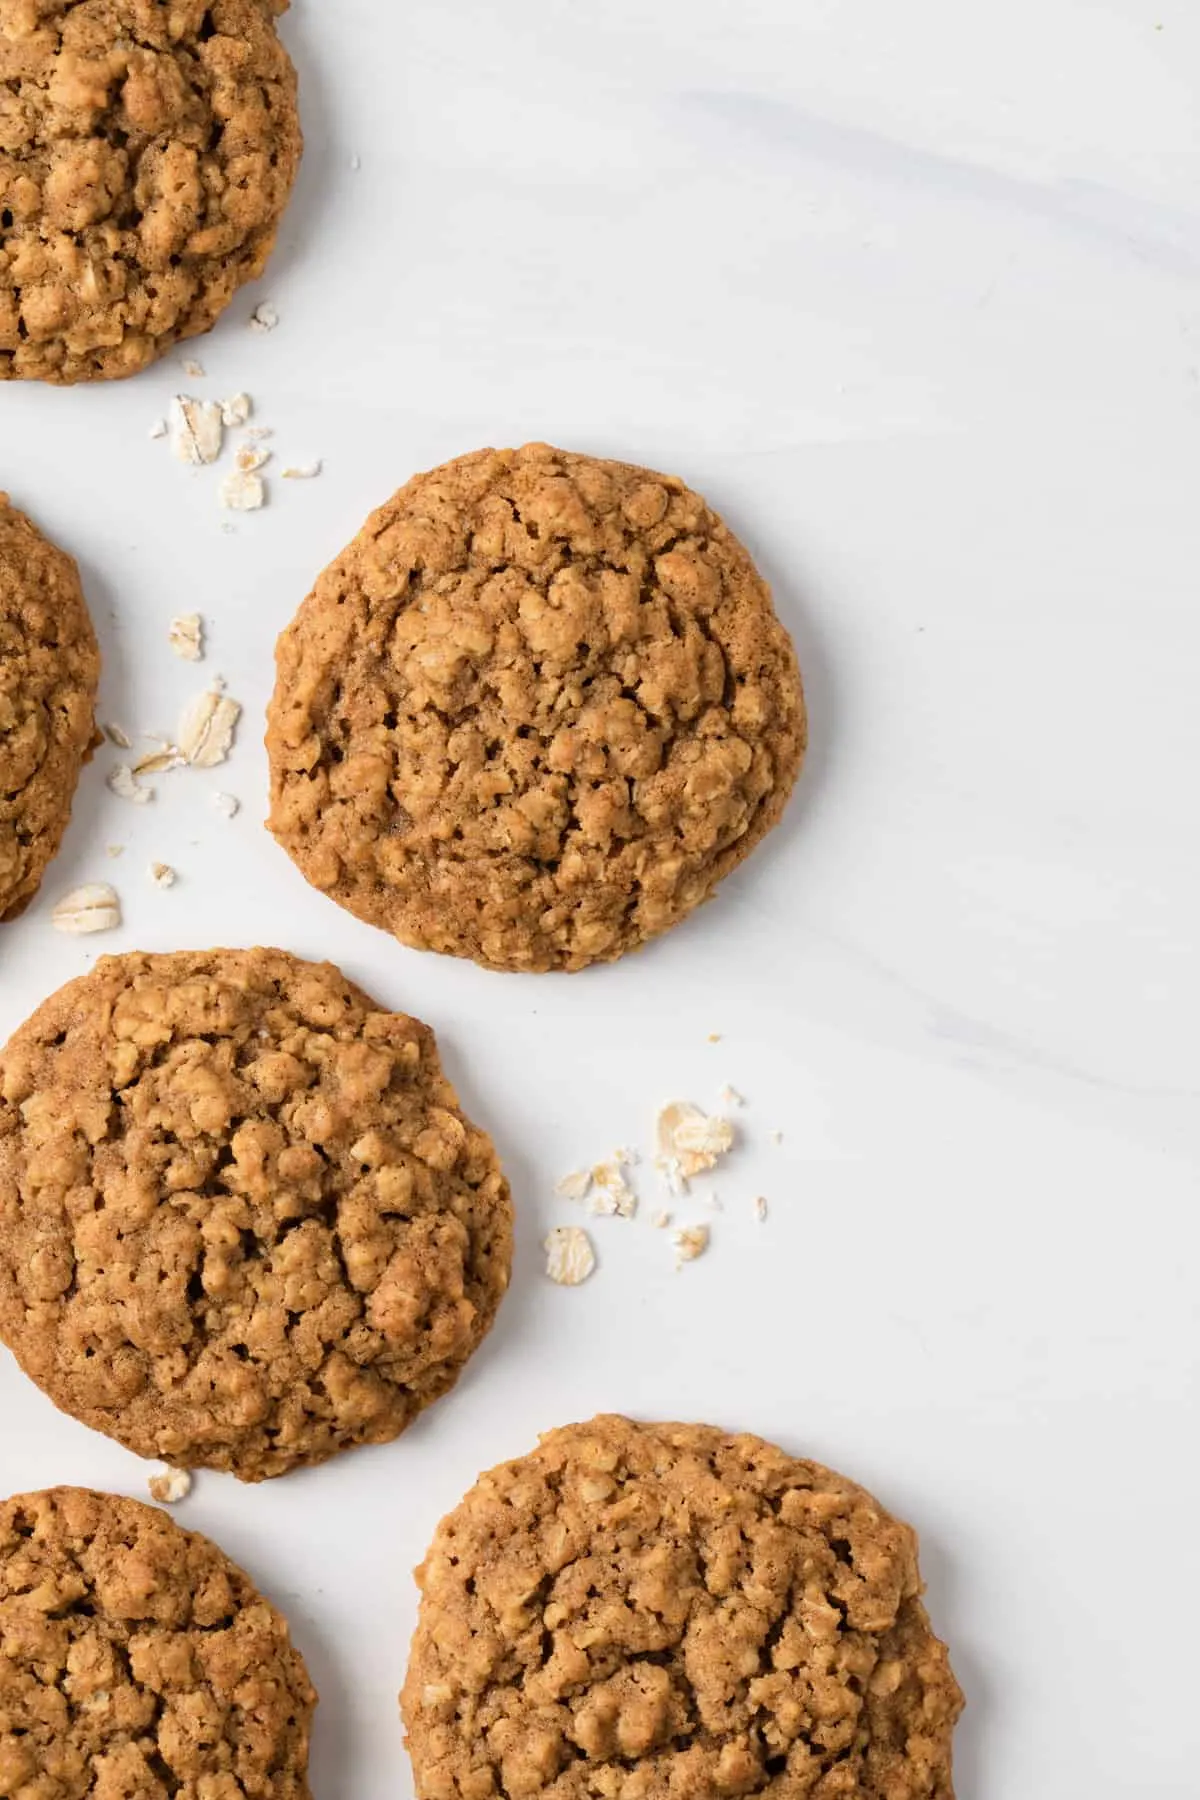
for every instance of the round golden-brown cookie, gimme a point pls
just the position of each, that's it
(139, 1662)
(49, 672)
(534, 713)
(244, 1223)
(147, 152)
(667, 1612)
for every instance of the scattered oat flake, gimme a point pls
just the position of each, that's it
(192, 369)
(257, 433)
(731, 1097)
(691, 1243)
(117, 735)
(613, 1193)
(302, 471)
(627, 1158)
(668, 1167)
(159, 428)
(170, 1486)
(162, 875)
(125, 785)
(243, 491)
(197, 432)
(714, 1037)
(570, 1258)
(691, 1138)
(228, 805)
(94, 907)
(251, 456)
(186, 637)
(777, 1137)
(661, 1221)
(264, 317)
(157, 762)
(237, 409)
(760, 1208)
(206, 728)
(115, 850)
(575, 1185)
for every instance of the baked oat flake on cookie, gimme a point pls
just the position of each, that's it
(244, 1223)
(139, 1662)
(147, 152)
(534, 713)
(666, 1612)
(49, 672)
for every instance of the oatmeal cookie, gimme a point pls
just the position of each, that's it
(534, 713)
(138, 1661)
(147, 152)
(244, 1223)
(667, 1612)
(49, 671)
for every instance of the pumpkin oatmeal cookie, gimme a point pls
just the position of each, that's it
(244, 1223)
(138, 1661)
(667, 1612)
(147, 152)
(49, 672)
(534, 712)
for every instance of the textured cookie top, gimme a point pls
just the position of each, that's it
(147, 151)
(243, 1221)
(49, 670)
(136, 1661)
(534, 712)
(663, 1612)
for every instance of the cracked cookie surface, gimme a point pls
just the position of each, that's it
(49, 671)
(244, 1223)
(534, 712)
(147, 152)
(139, 1662)
(665, 1612)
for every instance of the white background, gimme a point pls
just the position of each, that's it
(910, 293)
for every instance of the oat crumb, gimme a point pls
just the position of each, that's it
(186, 637)
(690, 1243)
(242, 491)
(123, 782)
(192, 369)
(116, 734)
(760, 1208)
(302, 471)
(169, 1486)
(228, 805)
(159, 428)
(777, 1137)
(251, 456)
(575, 1185)
(162, 875)
(236, 410)
(158, 761)
(661, 1221)
(115, 850)
(691, 1138)
(265, 317)
(714, 1037)
(570, 1258)
(93, 907)
(731, 1097)
(613, 1194)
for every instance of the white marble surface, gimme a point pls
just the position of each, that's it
(911, 293)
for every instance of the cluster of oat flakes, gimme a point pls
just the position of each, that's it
(202, 739)
(689, 1144)
(196, 430)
